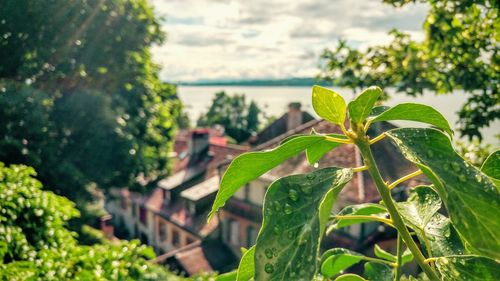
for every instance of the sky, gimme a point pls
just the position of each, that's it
(269, 39)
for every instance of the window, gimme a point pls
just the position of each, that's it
(134, 212)
(251, 236)
(162, 231)
(225, 230)
(176, 239)
(166, 197)
(143, 215)
(256, 193)
(234, 233)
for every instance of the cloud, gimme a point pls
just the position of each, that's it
(228, 39)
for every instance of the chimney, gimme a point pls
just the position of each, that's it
(294, 116)
(199, 141)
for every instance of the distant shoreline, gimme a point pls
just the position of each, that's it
(288, 82)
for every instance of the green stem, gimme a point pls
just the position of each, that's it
(364, 147)
(399, 257)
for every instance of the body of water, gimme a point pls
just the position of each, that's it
(275, 100)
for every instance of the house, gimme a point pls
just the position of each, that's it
(172, 217)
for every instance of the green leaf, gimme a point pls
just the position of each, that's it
(364, 209)
(246, 267)
(350, 277)
(406, 257)
(229, 276)
(377, 110)
(472, 200)
(434, 230)
(329, 105)
(383, 254)
(296, 209)
(415, 112)
(491, 167)
(360, 108)
(467, 268)
(336, 260)
(249, 166)
(315, 152)
(378, 272)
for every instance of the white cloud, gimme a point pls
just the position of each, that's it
(227, 39)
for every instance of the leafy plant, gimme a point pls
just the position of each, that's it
(35, 243)
(462, 245)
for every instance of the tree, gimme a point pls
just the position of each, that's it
(461, 243)
(239, 119)
(101, 114)
(460, 52)
(35, 243)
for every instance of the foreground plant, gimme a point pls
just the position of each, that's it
(465, 245)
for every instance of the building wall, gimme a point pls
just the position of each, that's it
(169, 236)
(237, 231)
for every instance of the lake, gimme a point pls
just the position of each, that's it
(274, 101)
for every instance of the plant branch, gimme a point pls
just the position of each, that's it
(332, 139)
(364, 146)
(377, 138)
(359, 169)
(399, 255)
(374, 218)
(405, 178)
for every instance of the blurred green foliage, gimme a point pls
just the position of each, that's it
(82, 100)
(239, 119)
(460, 52)
(35, 243)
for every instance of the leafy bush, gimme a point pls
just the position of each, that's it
(464, 245)
(35, 243)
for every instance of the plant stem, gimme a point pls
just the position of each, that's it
(399, 255)
(405, 178)
(364, 147)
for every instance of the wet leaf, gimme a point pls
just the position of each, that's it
(296, 210)
(364, 209)
(334, 261)
(434, 230)
(377, 110)
(246, 267)
(467, 268)
(249, 166)
(329, 105)
(378, 272)
(472, 200)
(350, 277)
(360, 108)
(491, 167)
(415, 112)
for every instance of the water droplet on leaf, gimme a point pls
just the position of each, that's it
(288, 209)
(293, 195)
(269, 268)
(455, 166)
(269, 253)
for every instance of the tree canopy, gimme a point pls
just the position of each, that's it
(240, 120)
(83, 100)
(460, 52)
